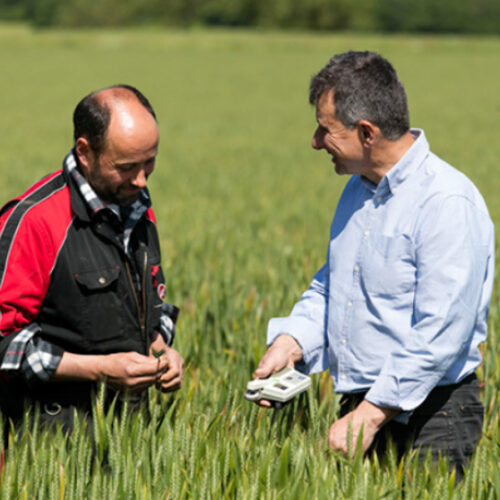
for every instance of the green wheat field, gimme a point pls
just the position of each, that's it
(244, 206)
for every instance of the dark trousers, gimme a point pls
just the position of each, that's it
(449, 422)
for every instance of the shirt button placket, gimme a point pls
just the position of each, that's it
(343, 342)
(367, 214)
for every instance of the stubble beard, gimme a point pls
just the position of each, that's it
(106, 193)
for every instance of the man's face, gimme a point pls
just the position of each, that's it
(342, 144)
(120, 171)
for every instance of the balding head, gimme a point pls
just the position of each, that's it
(116, 143)
(92, 115)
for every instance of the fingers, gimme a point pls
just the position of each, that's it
(265, 368)
(131, 370)
(169, 386)
(351, 426)
(146, 365)
(284, 351)
(170, 379)
(337, 438)
(135, 372)
(264, 403)
(273, 361)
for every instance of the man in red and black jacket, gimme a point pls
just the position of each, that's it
(81, 286)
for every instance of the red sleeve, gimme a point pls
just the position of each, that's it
(31, 234)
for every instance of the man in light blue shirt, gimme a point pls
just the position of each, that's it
(399, 309)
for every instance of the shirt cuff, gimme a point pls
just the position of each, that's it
(31, 357)
(168, 319)
(41, 360)
(391, 392)
(314, 354)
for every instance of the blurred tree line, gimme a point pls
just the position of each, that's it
(433, 16)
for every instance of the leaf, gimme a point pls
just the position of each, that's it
(158, 353)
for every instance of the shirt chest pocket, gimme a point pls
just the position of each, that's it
(388, 265)
(101, 315)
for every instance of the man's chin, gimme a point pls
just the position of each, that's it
(336, 165)
(128, 201)
(338, 169)
(124, 199)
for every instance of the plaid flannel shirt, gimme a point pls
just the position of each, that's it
(36, 359)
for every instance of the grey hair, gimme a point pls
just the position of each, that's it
(365, 87)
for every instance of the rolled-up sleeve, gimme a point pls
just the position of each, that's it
(28, 356)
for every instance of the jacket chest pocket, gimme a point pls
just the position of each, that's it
(101, 308)
(388, 265)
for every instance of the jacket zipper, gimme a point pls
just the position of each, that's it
(144, 310)
(141, 311)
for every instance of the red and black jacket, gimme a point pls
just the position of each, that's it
(65, 268)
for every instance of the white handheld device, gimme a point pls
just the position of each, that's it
(281, 386)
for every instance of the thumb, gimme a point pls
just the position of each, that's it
(266, 367)
(262, 372)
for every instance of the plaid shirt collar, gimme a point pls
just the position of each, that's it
(129, 215)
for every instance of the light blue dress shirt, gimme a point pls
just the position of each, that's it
(402, 302)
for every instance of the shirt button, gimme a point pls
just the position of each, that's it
(356, 268)
(102, 280)
(343, 377)
(344, 341)
(367, 233)
(349, 304)
(379, 199)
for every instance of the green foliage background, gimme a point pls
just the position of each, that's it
(445, 16)
(244, 206)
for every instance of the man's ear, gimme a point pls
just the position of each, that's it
(367, 133)
(84, 153)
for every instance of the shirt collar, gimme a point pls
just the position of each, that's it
(406, 165)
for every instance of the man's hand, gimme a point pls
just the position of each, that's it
(122, 370)
(131, 371)
(170, 377)
(368, 416)
(284, 351)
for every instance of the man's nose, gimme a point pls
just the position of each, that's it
(141, 178)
